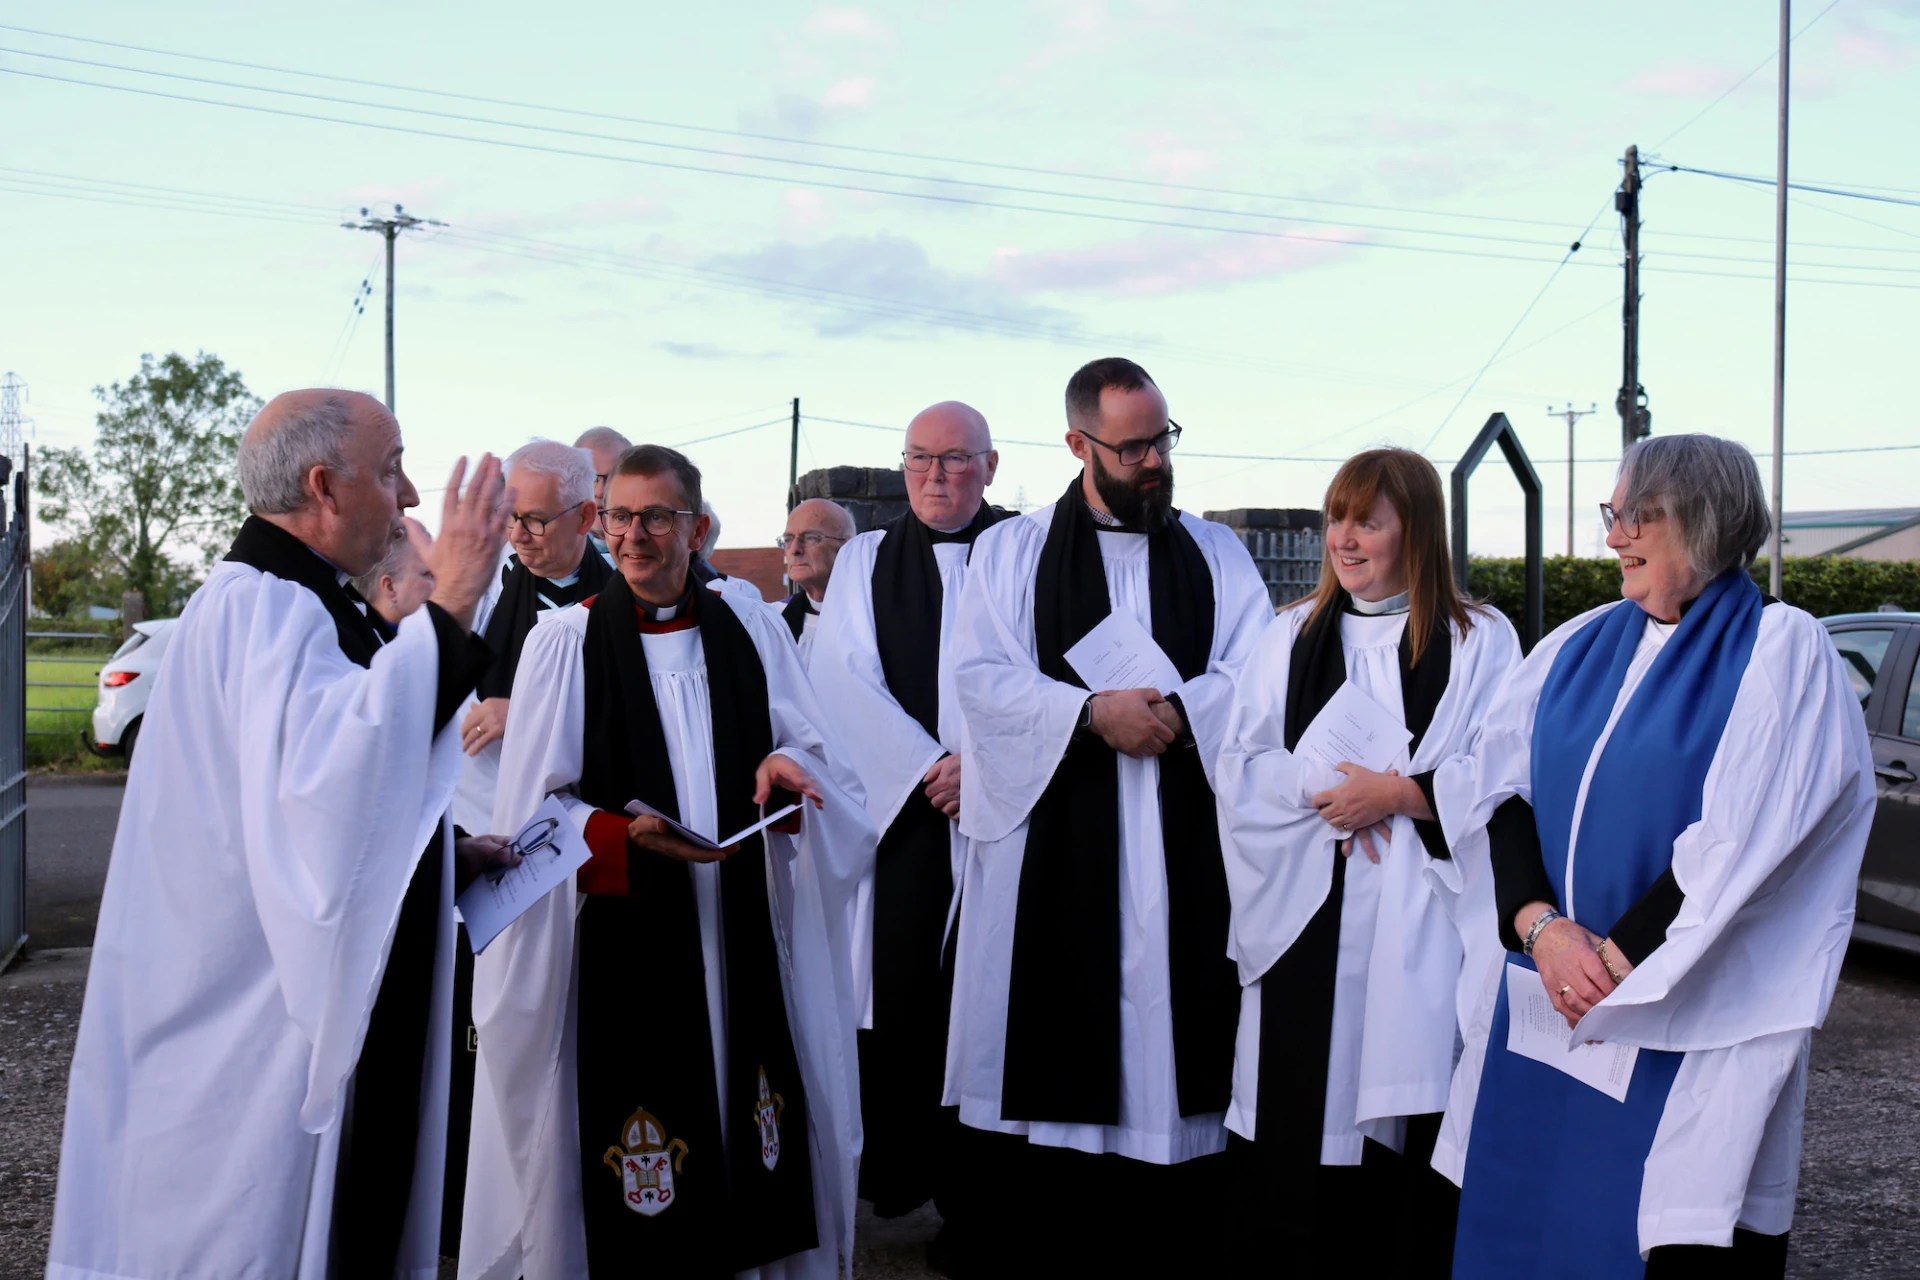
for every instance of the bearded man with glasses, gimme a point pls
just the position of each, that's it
(666, 1070)
(816, 530)
(1094, 1006)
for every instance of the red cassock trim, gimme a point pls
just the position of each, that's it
(605, 873)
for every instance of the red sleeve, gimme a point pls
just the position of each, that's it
(605, 873)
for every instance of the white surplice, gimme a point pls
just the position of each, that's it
(1018, 725)
(273, 820)
(523, 1202)
(1749, 964)
(1405, 920)
(889, 749)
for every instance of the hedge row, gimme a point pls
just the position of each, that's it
(1821, 585)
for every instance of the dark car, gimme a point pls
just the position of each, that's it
(1879, 650)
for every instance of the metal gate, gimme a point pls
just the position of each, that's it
(13, 725)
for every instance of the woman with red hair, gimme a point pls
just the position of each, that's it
(1349, 964)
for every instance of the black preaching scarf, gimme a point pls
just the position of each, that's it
(645, 1042)
(796, 612)
(521, 601)
(1063, 1005)
(375, 1170)
(1296, 994)
(906, 609)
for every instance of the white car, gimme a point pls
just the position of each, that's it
(126, 682)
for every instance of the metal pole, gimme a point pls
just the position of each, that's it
(1570, 421)
(1780, 310)
(793, 460)
(393, 233)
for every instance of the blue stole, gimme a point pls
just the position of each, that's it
(1537, 1132)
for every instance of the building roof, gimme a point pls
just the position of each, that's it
(1851, 517)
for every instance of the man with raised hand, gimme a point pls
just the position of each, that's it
(881, 665)
(1094, 1006)
(816, 530)
(667, 1074)
(260, 1082)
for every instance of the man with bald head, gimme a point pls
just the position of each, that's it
(816, 530)
(881, 668)
(260, 1083)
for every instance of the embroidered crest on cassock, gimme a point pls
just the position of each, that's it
(648, 1161)
(766, 1114)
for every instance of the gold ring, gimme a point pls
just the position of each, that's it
(1564, 989)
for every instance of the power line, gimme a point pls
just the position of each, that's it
(1758, 67)
(1851, 193)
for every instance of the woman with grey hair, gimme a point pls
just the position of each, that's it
(1676, 790)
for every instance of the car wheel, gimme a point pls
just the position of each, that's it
(127, 739)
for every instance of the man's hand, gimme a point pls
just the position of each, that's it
(943, 785)
(487, 722)
(475, 856)
(1169, 715)
(1127, 720)
(784, 772)
(473, 528)
(653, 834)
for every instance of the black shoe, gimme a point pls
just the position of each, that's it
(947, 1254)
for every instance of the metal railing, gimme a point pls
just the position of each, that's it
(95, 661)
(14, 554)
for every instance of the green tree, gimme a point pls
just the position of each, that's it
(161, 477)
(67, 578)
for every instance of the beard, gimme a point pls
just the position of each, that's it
(1130, 502)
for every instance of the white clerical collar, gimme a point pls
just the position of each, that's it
(1374, 608)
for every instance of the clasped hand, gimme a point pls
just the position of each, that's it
(777, 771)
(1135, 722)
(1571, 970)
(1362, 805)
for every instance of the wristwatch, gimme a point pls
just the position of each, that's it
(1084, 724)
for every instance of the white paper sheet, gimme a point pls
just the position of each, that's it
(1536, 1030)
(1353, 728)
(550, 851)
(639, 808)
(1121, 654)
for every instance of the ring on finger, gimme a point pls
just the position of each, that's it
(1564, 988)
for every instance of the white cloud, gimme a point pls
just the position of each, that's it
(852, 92)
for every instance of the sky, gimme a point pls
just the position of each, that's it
(1320, 227)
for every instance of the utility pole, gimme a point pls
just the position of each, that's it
(391, 229)
(1572, 415)
(1635, 421)
(1774, 567)
(12, 422)
(793, 460)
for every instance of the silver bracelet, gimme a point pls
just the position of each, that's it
(1540, 922)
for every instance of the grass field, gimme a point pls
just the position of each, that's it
(55, 734)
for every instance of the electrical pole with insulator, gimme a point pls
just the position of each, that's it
(391, 229)
(1636, 422)
(1572, 415)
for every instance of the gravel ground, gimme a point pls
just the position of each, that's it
(1860, 1173)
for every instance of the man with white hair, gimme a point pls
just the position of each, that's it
(605, 445)
(550, 567)
(259, 1086)
(816, 530)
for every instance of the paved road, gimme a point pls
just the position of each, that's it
(1860, 1169)
(70, 822)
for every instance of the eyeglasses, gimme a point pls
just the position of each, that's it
(808, 540)
(657, 521)
(537, 525)
(1630, 521)
(951, 463)
(1134, 452)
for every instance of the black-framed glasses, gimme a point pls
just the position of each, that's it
(657, 521)
(1630, 520)
(537, 525)
(952, 463)
(1134, 452)
(809, 540)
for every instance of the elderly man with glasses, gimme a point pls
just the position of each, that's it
(816, 530)
(882, 666)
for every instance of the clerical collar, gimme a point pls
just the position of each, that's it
(665, 612)
(514, 562)
(1374, 608)
(963, 534)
